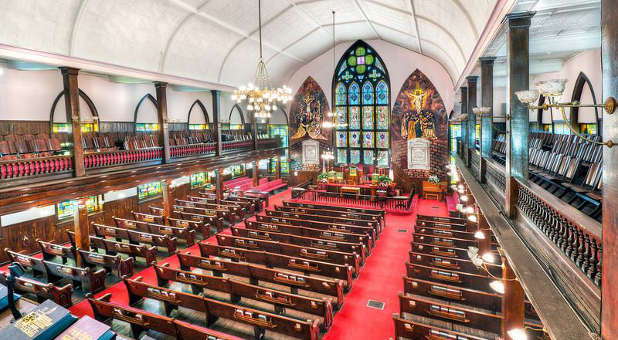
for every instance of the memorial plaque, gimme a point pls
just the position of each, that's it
(419, 157)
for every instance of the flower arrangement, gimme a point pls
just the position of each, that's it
(384, 180)
(323, 177)
(433, 179)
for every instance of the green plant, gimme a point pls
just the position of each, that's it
(384, 179)
(323, 176)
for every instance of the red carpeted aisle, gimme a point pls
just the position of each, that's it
(381, 280)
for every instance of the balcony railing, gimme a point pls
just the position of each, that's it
(121, 157)
(206, 149)
(26, 167)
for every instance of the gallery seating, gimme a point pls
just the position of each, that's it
(566, 166)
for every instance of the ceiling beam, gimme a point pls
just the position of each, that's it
(360, 8)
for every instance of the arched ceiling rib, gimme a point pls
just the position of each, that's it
(216, 40)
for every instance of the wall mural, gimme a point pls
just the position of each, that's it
(307, 112)
(419, 117)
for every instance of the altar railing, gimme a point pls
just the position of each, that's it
(396, 204)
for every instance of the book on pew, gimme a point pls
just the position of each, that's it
(4, 297)
(44, 322)
(87, 328)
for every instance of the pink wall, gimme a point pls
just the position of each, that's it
(399, 61)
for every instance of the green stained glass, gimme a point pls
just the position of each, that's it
(361, 68)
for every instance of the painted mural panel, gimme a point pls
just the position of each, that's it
(418, 112)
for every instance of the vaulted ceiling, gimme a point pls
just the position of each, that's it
(216, 40)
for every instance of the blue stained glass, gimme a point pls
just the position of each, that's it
(342, 68)
(382, 91)
(367, 93)
(354, 156)
(342, 156)
(378, 65)
(368, 156)
(354, 94)
(340, 94)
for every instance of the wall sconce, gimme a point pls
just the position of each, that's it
(479, 235)
(551, 90)
(497, 286)
(482, 111)
(517, 334)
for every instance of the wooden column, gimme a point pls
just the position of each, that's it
(255, 137)
(518, 61)
(164, 137)
(216, 113)
(609, 57)
(472, 80)
(81, 227)
(278, 167)
(487, 124)
(464, 125)
(256, 172)
(71, 103)
(513, 300)
(166, 199)
(219, 184)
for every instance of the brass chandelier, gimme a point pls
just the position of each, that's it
(261, 99)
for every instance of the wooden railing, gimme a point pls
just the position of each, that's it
(201, 149)
(25, 167)
(121, 157)
(401, 204)
(575, 234)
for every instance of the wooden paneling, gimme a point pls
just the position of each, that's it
(120, 127)
(20, 127)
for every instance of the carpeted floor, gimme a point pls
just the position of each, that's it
(380, 278)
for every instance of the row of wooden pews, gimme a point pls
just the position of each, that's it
(274, 282)
(446, 295)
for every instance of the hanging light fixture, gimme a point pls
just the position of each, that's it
(261, 98)
(327, 124)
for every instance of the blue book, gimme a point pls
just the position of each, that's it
(4, 297)
(44, 322)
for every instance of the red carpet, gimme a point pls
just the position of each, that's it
(380, 278)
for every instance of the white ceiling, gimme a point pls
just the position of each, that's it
(216, 40)
(559, 30)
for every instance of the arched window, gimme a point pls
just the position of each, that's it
(361, 96)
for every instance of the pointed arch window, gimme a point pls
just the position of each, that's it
(362, 107)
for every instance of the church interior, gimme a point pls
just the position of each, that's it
(308, 169)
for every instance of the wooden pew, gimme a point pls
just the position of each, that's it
(111, 247)
(341, 272)
(325, 211)
(453, 263)
(321, 307)
(242, 208)
(183, 233)
(452, 277)
(51, 250)
(308, 222)
(112, 263)
(449, 219)
(89, 281)
(269, 224)
(255, 273)
(313, 242)
(421, 328)
(140, 320)
(281, 212)
(481, 321)
(425, 248)
(446, 225)
(235, 208)
(193, 207)
(213, 220)
(135, 237)
(445, 241)
(261, 321)
(379, 213)
(318, 254)
(42, 291)
(187, 331)
(201, 227)
(32, 263)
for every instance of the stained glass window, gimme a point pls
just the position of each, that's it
(362, 106)
(148, 190)
(66, 210)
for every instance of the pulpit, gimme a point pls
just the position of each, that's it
(433, 191)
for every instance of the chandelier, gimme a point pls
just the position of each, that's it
(261, 98)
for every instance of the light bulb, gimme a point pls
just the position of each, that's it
(472, 218)
(275, 107)
(517, 334)
(489, 257)
(464, 198)
(497, 286)
(469, 210)
(479, 235)
(249, 107)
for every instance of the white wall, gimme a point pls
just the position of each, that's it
(399, 61)
(179, 103)
(588, 62)
(27, 95)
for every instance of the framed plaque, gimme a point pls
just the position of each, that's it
(419, 157)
